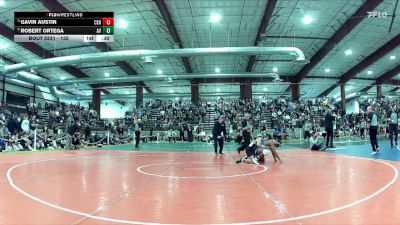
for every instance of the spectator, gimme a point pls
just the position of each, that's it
(12, 124)
(33, 124)
(88, 131)
(25, 125)
(190, 133)
(74, 128)
(307, 129)
(315, 143)
(171, 135)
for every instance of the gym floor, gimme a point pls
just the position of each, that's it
(185, 183)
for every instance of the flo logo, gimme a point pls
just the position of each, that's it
(377, 14)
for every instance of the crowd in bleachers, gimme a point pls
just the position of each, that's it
(177, 120)
(49, 122)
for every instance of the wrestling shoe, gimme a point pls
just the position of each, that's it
(239, 160)
(255, 161)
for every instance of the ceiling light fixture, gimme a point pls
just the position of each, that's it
(122, 24)
(3, 45)
(215, 18)
(307, 19)
(348, 52)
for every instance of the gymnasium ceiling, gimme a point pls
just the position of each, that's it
(241, 24)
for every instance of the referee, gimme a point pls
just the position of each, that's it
(219, 132)
(246, 132)
(137, 128)
(329, 119)
(372, 124)
(393, 127)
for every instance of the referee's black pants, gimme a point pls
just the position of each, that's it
(393, 129)
(329, 136)
(246, 143)
(373, 131)
(137, 138)
(218, 142)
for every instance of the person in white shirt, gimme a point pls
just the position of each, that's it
(171, 135)
(363, 125)
(315, 144)
(25, 125)
(307, 128)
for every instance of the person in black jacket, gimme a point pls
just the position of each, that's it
(72, 129)
(88, 131)
(190, 133)
(182, 133)
(246, 128)
(12, 124)
(393, 118)
(219, 133)
(329, 119)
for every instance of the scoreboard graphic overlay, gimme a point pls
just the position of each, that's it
(64, 26)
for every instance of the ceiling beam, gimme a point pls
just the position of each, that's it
(95, 67)
(269, 9)
(378, 54)
(391, 82)
(386, 78)
(395, 89)
(365, 63)
(274, 60)
(366, 89)
(341, 33)
(294, 37)
(125, 84)
(55, 6)
(285, 80)
(327, 91)
(162, 7)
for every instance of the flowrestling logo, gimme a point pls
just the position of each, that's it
(377, 14)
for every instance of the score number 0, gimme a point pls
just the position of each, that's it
(108, 22)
